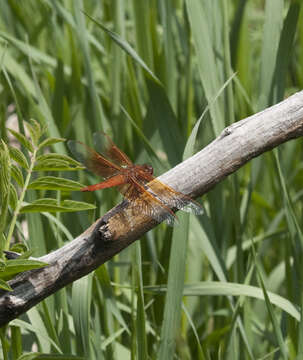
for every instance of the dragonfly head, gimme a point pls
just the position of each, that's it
(148, 168)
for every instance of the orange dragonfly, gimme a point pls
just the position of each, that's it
(137, 184)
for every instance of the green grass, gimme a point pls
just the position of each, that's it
(225, 285)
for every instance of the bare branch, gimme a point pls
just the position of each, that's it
(112, 233)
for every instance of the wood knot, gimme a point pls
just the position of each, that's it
(226, 132)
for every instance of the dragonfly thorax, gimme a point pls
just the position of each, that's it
(135, 170)
(148, 168)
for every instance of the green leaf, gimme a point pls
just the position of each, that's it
(175, 287)
(20, 248)
(5, 166)
(55, 221)
(96, 106)
(17, 266)
(37, 327)
(109, 295)
(81, 310)
(18, 156)
(51, 205)
(55, 183)
(54, 156)
(47, 356)
(159, 107)
(22, 139)
(199, 15)
(220, 288)
(50, 141)
(4, 285)
(55, 165)
(141, 313)
(2, 240)
(34, 129)
(4, 184)
(56, 162)
(17, 175)
(270, 44)
(274, 320)
(2, 265)
(13, 197)
(29, 356)
(286, 43)
(127, 48)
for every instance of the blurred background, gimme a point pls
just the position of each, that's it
(146, 72)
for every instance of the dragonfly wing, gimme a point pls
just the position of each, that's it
(92, 160)
(174, 199)
(109, 149)
(143, 202)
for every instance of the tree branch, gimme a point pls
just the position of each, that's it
(236, 145)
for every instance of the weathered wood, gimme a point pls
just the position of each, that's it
(112, 233)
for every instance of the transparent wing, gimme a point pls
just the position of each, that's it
(172, 198)
(109, 149)
(143, 202)
(92, 160)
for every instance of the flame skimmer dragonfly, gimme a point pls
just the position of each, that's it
(137, 184)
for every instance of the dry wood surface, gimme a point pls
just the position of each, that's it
(236, 145)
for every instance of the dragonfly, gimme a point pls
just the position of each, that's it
(146, 194)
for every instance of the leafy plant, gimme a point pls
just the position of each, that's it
(145, 71)
(17, 170)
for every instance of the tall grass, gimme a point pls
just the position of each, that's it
(226, 285)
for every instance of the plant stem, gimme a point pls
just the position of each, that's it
(19, 204)
(4, 343)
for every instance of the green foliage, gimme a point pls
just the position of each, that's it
(144, 72)
(13, 267)
(52, 205)
(13, 194)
